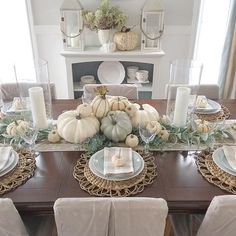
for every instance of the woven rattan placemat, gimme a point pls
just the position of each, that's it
(98, 186)
(20, 174)
(213, 174)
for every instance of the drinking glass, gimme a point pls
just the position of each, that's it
(87, 99)
(147, 136)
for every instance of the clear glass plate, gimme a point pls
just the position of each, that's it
(220, 160)
(96, 165)
(213, 107)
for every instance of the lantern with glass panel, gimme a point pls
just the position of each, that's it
(72, 25)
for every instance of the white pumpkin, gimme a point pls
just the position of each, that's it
(154, 126)
(142, 114)
(53, 136)
(16, 127)
(164, 135)
(116, 125)
(85, 110)
(118, 103)
(75, 129)
(131, 140)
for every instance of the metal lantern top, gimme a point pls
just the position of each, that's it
(72, 24)
(152, 24)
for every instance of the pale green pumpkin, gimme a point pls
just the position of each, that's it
(116, 126)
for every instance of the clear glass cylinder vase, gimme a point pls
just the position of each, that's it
(182, 90)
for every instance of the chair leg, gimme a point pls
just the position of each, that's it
(168, 228)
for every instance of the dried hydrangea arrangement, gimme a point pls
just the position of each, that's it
(105, 17)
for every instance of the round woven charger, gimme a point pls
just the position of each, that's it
(224, 113)
(213, 174)
(97, 186)
(20, 174)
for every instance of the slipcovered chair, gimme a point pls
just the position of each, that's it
(127, 90)
(211, 91)
(110, 216)
(10, 90)
(10, 220)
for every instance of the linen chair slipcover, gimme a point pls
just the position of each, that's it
(220, 218)
(209, 90)
(10, 90)
(110, 216)
(127, 90)
(10, 220)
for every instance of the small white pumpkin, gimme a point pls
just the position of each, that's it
(100, 104)
(16, 127)
(118, 103)
(75, 129)
(164, 135)
(84, 110)
(203, 128)
(53, 136)
(233, 126)
(116, 126)
(131, 140)
(154, 126)
(142, 114)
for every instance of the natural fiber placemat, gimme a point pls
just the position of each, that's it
(20, 174)
(213, 174)
(97, 186)
(224, 113)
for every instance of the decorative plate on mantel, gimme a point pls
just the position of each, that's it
(111, 72)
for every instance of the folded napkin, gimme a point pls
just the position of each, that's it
(230, 154)
(5, 154)
(110, 167)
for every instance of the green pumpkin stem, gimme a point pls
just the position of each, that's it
(114, 122)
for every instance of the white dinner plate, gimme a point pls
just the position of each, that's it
(213, 107)
(111, 72)
(7, 109)
(220, 160)
(96, 165)
(13, 160)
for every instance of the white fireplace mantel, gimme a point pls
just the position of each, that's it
(94, 54)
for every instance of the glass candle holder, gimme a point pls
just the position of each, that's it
(182, 90)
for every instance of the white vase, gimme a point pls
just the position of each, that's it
(104, 36)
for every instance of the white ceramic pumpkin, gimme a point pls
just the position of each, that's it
(53, 136)
(118, 103)
(164, 134)
(16, 127)
(203, 128)
(75, 129)
(85, 110)
(154, 126)
(142, 114)
(126, 41)
(116, 126)
(131, 140)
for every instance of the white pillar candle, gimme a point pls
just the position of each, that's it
(38, 107)
(181, 106)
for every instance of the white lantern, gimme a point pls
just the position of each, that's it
(152, 25)
(72, 25)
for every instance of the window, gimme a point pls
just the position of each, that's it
(212, 24)
(15, 42)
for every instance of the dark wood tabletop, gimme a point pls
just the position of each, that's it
(178, 180)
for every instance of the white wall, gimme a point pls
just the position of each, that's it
(175, 43)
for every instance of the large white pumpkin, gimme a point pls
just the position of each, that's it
(75, 129)
(100, 106)
(142, 114)
(116, 125)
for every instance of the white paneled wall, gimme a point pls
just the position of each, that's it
(175, 43)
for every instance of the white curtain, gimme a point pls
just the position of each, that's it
(228, 61)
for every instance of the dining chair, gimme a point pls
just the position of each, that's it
(211, 91)
(127, 90)
(110, 216)
(10, 220)
(10, 90)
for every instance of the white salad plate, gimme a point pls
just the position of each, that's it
(111, 72)
(11, 164)
(220, 160)
(212, 107)
(96, 165)
(7, 109)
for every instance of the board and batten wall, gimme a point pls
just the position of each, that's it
(176, 41)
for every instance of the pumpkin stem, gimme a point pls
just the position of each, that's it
(101, 90)
(16, 123)
(78, 117)
(114, 122)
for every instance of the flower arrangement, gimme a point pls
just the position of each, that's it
(105, 17)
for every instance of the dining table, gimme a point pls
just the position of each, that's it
(178, 180)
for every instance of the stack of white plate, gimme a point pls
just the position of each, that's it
(10, 164)
(96, 165)
(211, 108)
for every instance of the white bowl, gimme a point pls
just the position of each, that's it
(87, 79)
(142, 75)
